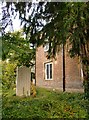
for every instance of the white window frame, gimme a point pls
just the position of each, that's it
(46, 77)
(46, 47)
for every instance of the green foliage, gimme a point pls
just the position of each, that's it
(86, 89)
(64, 22)
(46, 104)
(8, 75)
(16, 48)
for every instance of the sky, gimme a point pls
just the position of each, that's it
(16, 24)
(16, 21)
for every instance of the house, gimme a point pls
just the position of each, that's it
(49, 72)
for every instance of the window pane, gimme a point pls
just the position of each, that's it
(46, 47)
(47, 71)
(50, 71)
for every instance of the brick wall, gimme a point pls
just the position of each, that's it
(72, 71)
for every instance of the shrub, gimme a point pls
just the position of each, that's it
(8, 75)
(33, 90)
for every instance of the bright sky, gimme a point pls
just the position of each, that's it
(16, 24)
(16, 21)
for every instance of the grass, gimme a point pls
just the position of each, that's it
(46, 104)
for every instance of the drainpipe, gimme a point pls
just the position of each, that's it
(35, 69)
(63, 68)
(35, 62)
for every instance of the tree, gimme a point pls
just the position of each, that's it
(16, 48)
(65, 22)
(69, 23)
(78, 30)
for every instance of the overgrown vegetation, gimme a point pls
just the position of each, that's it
(46, 104)
(42, 103)
(17, 49)
(8, 75)
(58, 23)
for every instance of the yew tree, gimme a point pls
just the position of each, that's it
(58, 22)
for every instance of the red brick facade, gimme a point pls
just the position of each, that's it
(72, 71)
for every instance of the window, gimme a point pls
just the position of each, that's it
(48, 71)
(46, 47)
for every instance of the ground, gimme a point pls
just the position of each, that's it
(46, 104)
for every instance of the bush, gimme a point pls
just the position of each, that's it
(8, 75)
(33, 90)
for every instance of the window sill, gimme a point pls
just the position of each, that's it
(48, 79)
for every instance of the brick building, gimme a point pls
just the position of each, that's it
(49, 72)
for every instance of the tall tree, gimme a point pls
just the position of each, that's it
(59, 23)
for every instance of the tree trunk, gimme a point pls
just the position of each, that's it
(63, 68)
(85, 62)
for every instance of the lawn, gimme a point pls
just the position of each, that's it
(46, 104)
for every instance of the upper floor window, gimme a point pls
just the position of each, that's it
(46, 47)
